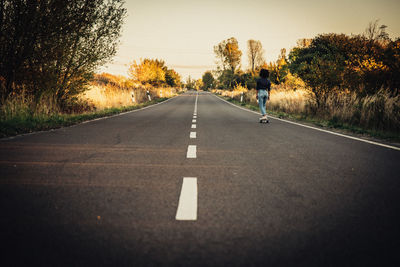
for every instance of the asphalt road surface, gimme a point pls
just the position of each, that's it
(139, 190)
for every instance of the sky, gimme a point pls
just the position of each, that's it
(184, 33)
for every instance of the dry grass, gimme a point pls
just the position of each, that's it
(106, 91)
(380, 111)
(281, 99)
(106, 96)
(109, 96)
(22, 105)
(109, 91)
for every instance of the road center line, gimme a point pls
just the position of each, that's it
(191, 152)
(193, 135)
(193, 126)
(195, 103)
(187, 206)
(193, 121)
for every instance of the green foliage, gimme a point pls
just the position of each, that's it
(320, 65)
(226, 79)
(52, 47)
(208, 80)
(172, 78)
(245, 79)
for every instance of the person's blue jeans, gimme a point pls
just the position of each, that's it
(262, 100)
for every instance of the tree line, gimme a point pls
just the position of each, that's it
(364, 63)
(229, 71)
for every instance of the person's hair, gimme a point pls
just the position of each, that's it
(264, 73)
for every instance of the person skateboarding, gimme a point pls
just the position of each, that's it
(263, 87)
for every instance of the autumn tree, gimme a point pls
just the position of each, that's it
(229, 54)
(153, 72)
(255, 54)
(363, 63)
(198, 84)
(373, 61)
(148, 71)
(228, 58)
(281, 67)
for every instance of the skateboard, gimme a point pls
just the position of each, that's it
(264, 120)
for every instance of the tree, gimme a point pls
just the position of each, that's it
(198, 84)
(229, 55)
(172, 78)
(374, 32)
(190, 83)
(321, 65)
(255, 54)
(304, 43)
(226, 79)
(372, 61)
(154, 72)
(281, 67)
(208, 80)
(53, 46)
(148, 71)
(363, 63)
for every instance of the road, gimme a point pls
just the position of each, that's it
(106, 192)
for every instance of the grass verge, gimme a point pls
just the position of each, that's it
(332, 124)
(32, 123)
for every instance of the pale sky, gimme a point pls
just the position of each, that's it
(183, 33)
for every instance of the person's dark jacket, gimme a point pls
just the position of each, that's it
(263, 84)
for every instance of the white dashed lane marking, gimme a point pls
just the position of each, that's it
(187, 206)
(191, 152)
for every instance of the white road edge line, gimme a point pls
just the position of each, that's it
(191, 152)
(193, 135)
(187, 205)
(314, 128)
